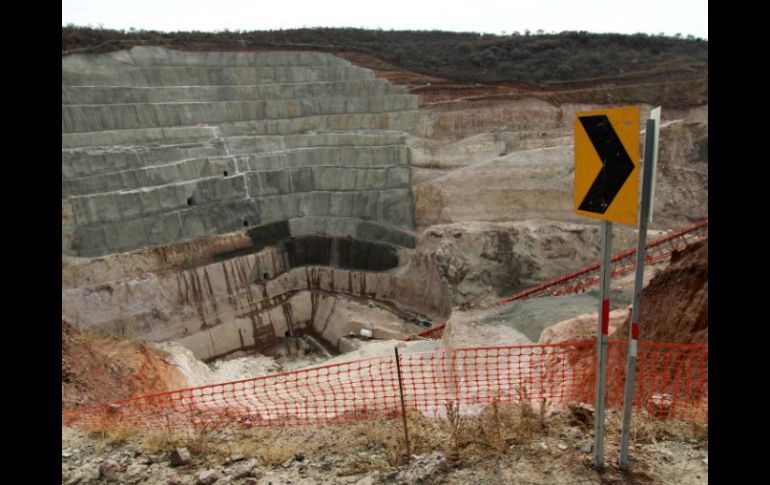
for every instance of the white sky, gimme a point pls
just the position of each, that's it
(688, 17)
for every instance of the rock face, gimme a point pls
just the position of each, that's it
(674, 306)
(522, 185)
(226, 199)
(476, 257)
(681, 192)
(582, 328)
(162, 146)
(465, 329)
(513, 160)
(225, 306)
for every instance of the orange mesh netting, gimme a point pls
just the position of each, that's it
(671, 383)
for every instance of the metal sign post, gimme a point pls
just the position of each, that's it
(655, 115)
(606, 187)
(602, 337)
(650, 141)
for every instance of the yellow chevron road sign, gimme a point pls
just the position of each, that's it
(607, 164)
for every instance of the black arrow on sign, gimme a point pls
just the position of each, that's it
(616, 164)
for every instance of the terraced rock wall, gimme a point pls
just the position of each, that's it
(161, 146)
(223, 199)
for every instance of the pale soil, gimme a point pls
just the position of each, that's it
(524, 322)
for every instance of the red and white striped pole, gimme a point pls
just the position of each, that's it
(602, 337)
(650, 141)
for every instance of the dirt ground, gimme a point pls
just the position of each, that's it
(97, 369)
(674, 306)
(506, 444)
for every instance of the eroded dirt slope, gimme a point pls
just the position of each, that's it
(674, 306)
(103, 369)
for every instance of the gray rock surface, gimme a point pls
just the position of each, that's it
(180, 456)
(161, 146)
(207, 477)
(108, 470)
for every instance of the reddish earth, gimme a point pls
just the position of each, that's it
(674, 307)
(103, 369)
(674, 86)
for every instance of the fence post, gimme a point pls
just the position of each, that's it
(403, 407)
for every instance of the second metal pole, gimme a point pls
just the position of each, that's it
(601, 343)
(649, 162)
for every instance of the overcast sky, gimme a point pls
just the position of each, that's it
(687, 17)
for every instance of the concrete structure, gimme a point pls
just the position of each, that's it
(163, 146)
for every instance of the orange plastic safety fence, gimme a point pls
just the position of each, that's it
(672, 382)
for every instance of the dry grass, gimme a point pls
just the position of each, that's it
(274, 455)
(116, 344)
(161, 441)
(112, 436)
(196, 441)
(462, 438)
(454, 422)
(645, 429)
(361, 466)
(102, 340)
(251, 442)
(465, 439)
(222, 444)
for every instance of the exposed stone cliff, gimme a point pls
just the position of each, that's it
(163, 146)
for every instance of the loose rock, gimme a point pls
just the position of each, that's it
(207, 477)
(242, 471)
(572, 432)
(422, 468)
(668, 457)
(235, 458)
(108, 470)
(180, 456)
(76, 478)
(136, 471)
